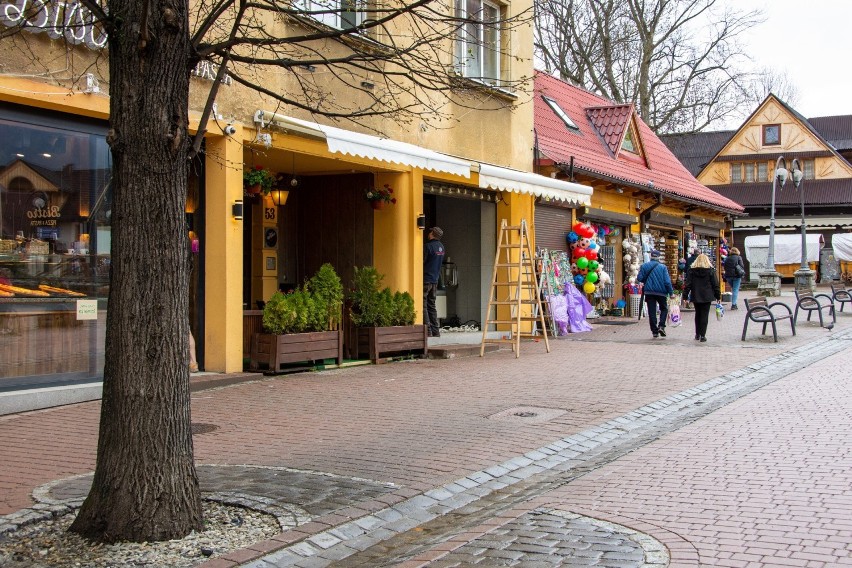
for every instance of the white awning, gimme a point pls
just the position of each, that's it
(506, 179)
(788, 248)
(794, 222)
(367, 146)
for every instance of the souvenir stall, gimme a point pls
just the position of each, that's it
(571, 281)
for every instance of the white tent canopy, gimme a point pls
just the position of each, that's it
(788, 248)
(842, 245)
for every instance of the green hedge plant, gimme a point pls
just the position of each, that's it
(314, 307)
(374, 306)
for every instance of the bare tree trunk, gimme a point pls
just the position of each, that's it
(145, 486)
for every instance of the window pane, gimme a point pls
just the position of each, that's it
(491, 43)
(736, 173)
(808, 167)
(761, 171)
(350, 16)
(749, 173)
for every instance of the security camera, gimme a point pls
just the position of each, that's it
(230, 130)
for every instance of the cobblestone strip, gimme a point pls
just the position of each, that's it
(344, 540)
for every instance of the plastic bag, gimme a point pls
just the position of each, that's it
(674, 313)
(720, 311)
(559, 310)
(578, 308)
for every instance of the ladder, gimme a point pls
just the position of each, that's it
(514, 284)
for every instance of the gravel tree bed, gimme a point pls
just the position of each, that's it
(48, 543)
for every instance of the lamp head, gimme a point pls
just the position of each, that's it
(797, 176)
(781, 175)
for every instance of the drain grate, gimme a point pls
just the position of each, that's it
(202, 428)
(528, 414)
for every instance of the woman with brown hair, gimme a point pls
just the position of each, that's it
(734, 272)
(702, 288)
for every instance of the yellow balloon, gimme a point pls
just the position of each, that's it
(588, 287)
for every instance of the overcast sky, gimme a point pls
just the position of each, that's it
(810, 40)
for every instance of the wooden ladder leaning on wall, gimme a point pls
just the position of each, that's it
(514, 283)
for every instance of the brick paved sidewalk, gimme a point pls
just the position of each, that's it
(417, 425)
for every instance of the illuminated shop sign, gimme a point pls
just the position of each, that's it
(69, 20)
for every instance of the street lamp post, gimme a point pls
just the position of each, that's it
(769, 283)
(804, 276)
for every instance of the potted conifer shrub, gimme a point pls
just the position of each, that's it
(382, 322)
(301, 326)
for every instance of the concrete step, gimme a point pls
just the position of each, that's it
(452, 351)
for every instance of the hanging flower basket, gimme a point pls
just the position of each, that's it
(258, 180)
(378, 196)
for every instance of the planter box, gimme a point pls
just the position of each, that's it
(269, 352)
(375, 343)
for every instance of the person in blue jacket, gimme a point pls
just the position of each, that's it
(433, 257)
(657, 287)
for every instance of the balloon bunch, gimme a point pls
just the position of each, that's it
(585, 266)
(723, 249)
(631, 258)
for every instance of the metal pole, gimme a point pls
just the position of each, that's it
(798, 178)
(770, 259)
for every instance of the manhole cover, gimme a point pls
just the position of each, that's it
(202, 428)
(528, 414)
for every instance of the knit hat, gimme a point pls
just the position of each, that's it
(655, 254)
(437, 232)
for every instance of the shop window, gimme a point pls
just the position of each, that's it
(55, 210)
(478, 41)
(771, 134)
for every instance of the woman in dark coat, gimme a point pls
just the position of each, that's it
(734, 272)
(702, 287)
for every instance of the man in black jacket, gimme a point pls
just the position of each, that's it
(433, 257)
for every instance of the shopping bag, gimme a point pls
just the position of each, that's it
(720, 311)
(674, 313)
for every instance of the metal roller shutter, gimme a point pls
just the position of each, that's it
(551, 226)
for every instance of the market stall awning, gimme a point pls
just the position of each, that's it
(367, 146)
(788, 248)
(795, 222)
(507, 179)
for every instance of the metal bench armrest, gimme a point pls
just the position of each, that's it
(783, 305)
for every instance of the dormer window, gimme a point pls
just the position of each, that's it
(561, 114)
(629, 142)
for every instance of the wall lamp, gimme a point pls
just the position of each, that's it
(421, 221)
(237, 210)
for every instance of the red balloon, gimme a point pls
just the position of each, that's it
(579, 251)
(591, 254)
(578, 227)
(588, 232)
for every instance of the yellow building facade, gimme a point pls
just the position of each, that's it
(247, 247)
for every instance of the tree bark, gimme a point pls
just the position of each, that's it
(145, 486)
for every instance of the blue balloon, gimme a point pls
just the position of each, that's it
(579, 279)
(572, 237)
(593, 246)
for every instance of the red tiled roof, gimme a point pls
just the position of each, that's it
(611, 121)
(592, 154)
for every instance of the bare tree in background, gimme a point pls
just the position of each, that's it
(776, 82)
(678, 61)
(145, 486)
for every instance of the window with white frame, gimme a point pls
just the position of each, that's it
(342, 14)
(478, 45)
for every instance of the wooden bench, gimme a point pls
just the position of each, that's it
(841, 296)
(810, 302)
(761, 311)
